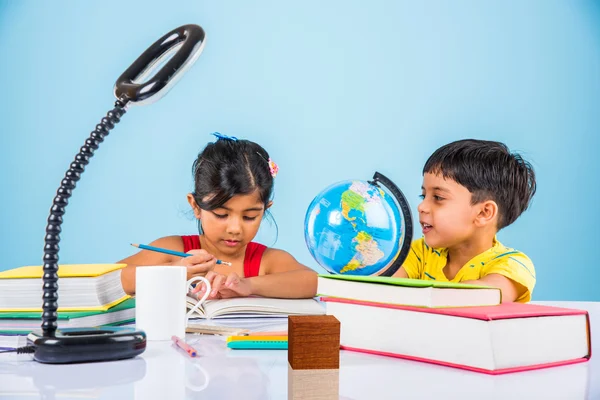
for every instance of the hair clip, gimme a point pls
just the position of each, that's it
(225, 137)
(273, 168)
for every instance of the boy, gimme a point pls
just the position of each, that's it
(472, 189)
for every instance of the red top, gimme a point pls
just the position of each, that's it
(254, 252)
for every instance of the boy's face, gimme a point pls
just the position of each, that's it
(446, 214)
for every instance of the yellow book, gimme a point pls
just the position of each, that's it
(64, 271)
(81, 287)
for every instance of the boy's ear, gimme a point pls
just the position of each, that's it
(194, 205)
(269, 204)
(488, 213)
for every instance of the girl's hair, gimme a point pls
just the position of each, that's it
(229, 167)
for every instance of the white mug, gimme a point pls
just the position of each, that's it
(160, 300)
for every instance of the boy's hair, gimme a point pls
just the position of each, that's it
(229, 167)
(490, 172)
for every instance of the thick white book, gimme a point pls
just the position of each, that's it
(510, 337)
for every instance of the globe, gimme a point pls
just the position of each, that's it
(355, 227)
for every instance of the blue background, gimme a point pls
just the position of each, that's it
(334, 90)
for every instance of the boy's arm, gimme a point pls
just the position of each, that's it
(513, 273)
(401, 273)
(510, 289)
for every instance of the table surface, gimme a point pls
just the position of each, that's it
(164, 372)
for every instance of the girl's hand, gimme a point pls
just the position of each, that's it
(199, 263)
(224, 287)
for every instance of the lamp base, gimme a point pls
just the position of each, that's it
(77, 345)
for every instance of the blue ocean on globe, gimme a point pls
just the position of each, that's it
(354, 227)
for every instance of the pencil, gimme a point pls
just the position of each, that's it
(171, 252)
(271, 333)
(184, 346)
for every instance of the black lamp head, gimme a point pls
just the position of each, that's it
(185, 43)
(100, 344)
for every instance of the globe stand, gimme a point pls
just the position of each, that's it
(107, 343)
(408, 223)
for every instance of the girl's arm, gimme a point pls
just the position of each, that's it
(284, 277)
(298, 284)
(281, 276)
(198, 264)
(144, 257)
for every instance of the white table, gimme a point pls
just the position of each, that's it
(163, 372)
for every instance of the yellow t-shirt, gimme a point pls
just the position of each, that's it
(424, 262)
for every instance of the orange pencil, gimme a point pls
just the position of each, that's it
(272, 333)
(257, 339)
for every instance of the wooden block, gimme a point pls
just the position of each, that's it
(313, 384)
(313, 342)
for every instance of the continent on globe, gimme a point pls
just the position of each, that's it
(367, 191)
(352, 201)
(367, 253)
(357, 197)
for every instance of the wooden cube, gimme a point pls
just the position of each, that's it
(313, 342)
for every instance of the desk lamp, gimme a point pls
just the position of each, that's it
(59, 346)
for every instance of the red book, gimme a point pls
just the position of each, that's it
(510, 337)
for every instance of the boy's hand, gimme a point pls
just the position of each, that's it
(224, 287)
(198, 264)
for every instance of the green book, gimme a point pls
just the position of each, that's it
(409, 292)
(20, 322)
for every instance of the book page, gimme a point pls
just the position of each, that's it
(262, 306)
(191, 303)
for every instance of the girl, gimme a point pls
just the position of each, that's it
(233, 189)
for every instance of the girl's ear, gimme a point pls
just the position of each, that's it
(269, 204)
(487, 213)
(192, 201)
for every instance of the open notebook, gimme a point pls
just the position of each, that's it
(253, 307)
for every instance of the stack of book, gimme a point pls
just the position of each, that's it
(453, 324)
(89, 295)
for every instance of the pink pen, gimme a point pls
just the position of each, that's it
(184, 346)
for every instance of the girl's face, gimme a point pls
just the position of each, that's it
(446, 214)
(232, 226)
